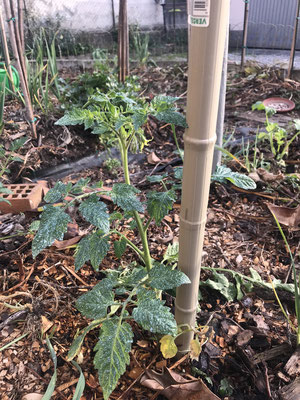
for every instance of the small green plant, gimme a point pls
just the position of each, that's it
(2, 102)
(6, 158)
(296, 285)
(112, 165)
(140, 44)
(130, 292)
(276, 135)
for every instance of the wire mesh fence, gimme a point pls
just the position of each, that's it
(86, 27)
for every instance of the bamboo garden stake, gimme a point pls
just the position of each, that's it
(20, 61)
(5, 51)
(123, 42)
(208, 33)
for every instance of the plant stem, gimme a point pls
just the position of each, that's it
(129, 242)
(142, 231)
(176, 141)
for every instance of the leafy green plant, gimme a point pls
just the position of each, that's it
(112, 165)
(131, 292)
(2, 102)
(276, 135)
(296, 286)
(6, 158)
(140, 44)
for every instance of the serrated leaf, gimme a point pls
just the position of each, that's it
(95, 212)
(171, 254)
(172, 117)
(58, 192)
(134, 277)
(125, 197)
(144, 294)
(112, 353)
(153, 316)
(160, 203)
(100, 130)
(78, 187)
(94, 303)
(120, 122)
(161, 102)
(93, 247)
(17, 144)
(77, 343)
(138, 120)
(168, 347)
(255, 275)
(53, 225)
(178, 172)
(120, 247)
(74, 117)
(163, 277)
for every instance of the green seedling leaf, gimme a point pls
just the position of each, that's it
(125, 197)
(171, 117)
(178, 172)
(223, 174)
(258, 106)
(160, 203)
(93, 247)
(51, 386)
(58, 192)
(161, 103)
(100, 129)
(297, 124)
(238, 285)
(77, 343)
(163, 277)
(153, 316)
(80, 384)
(78, 187)
(94, 303)
(225, 388)
(156, 178)
(53, 225)
(255, 275)
(171, 254)
(112, 353)
(120, 247)
(221, 284)
(95, 212)
(168, 347)
(17, 144)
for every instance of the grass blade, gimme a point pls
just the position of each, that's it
(80, 384)
(51, 386)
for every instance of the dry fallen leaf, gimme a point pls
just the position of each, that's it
(286, 216)
(244, 337)
(174, 387)
(153, 159)
(46, 324)
(32, 396)
(267, 176)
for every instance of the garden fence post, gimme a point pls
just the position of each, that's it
(208, 33)
(245, 32)
(294, 40)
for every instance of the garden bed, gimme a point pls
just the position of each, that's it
(249, 341)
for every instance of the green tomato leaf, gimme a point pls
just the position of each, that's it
(112, 353)
(58, 192)
(171, 117)
(171, 254)
(153, 316)
(221, 284)
(17, 144)
(125, 197)
(156, 178)
(74, 117)
(120, 247)
(95, 212)
(94, 303)
(78, 187)
(53, 225)
(93, 247)
(138, 119)
(163, 277)
(159, 204)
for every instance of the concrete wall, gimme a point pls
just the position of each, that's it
(92, 15)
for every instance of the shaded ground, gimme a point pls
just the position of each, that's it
(250, 341)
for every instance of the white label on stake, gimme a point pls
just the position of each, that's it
(200, 13)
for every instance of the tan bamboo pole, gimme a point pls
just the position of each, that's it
(21, 24)
(5, 51)
(205, 69)
(24, 87)
(123, 42)
(245, 33)
(294, 40)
